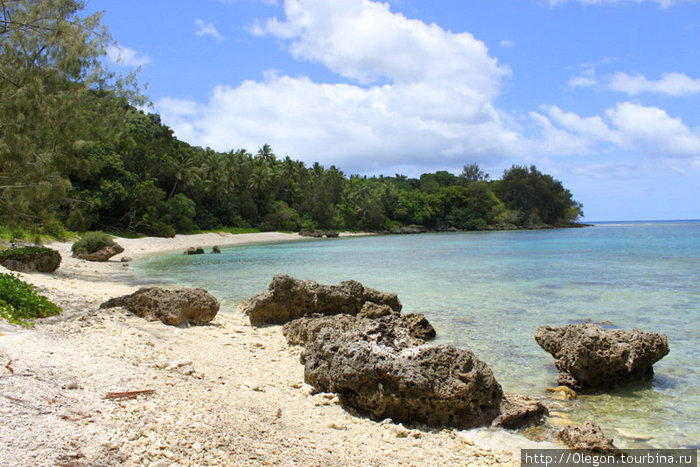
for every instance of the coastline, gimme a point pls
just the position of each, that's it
(224, 394)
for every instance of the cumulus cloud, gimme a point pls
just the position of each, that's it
(628, 125)
(507, 44)
(415, 98)
(415, 93)
(207, 29)
(672, 84)
(125, 56)
(662, 3)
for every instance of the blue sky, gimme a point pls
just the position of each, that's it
(602, 94)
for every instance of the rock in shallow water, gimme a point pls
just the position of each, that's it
(174, 307)
(589, 356)
(588, 437)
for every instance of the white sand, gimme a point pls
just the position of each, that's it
(225, 393)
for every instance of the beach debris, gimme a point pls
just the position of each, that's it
(194, 251)
(128, 394)
(73, 384)
(174, 307)
(8, 365)
(589, 356)
(288, 298)
(562, 393)
(587, 437)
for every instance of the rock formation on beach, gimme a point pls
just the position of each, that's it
(103, 254)
(303, 330)
(288, 298)
(30, 259)
(380, 369)
(589, 356)
(174, 307)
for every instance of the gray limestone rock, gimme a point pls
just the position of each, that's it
(589, 356)
(174, 307)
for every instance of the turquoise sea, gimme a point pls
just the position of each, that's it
(489, 291)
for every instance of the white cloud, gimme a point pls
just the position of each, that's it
(207, 29)
(507, 44)
(628, 126)
(662, 3)
(365, 41)
(358, 129)
(422, 94)
(672, 84)
(126, 56)
(653, 129)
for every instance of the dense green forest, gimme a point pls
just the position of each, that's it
(75, 153)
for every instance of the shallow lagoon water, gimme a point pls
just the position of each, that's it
(489, 291)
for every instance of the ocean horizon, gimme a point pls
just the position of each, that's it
(489, 291)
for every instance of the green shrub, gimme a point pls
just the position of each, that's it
(54, 229)
(19, 302)
(91, 242)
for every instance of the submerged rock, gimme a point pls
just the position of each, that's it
(288, 298)
(194, 251)
(380, 369)
(587, 437)
(589, 356)
(517, 411)
(174, 307)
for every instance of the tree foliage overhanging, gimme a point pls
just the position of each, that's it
(76, 153)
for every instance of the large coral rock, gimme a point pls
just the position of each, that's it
(588, 437)
(103, 254)
(174, 307)
(31, 259)
(589, 356)
(379, 369)
(304, 330)
(288, 299)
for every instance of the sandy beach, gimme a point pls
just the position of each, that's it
(221, 394)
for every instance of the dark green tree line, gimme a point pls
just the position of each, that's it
(75, 151)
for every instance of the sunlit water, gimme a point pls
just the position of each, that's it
(488, 292)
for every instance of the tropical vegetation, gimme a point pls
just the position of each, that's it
(76, 153)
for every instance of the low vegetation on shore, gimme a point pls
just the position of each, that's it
(21, 304)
